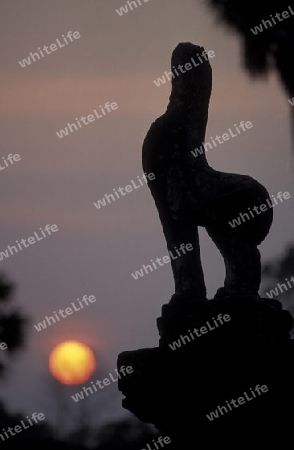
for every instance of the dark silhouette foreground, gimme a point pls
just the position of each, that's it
(204, 362)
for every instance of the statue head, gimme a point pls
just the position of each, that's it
(192, 77)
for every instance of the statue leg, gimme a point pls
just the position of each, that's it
(187, 268)
(242, 262)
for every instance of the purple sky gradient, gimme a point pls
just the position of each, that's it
(57, 180)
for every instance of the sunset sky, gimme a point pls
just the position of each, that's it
(57, 180)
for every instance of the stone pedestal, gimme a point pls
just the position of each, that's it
(210, 355)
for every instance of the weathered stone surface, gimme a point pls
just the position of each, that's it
(176, 389)
(231, 319)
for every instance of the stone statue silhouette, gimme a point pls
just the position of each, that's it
(173, 387)
(188, 193)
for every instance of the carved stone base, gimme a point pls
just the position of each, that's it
(258, 318)
(176, 389)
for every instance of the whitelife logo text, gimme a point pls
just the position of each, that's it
(184, 339)
(8, 161)
(53, 47)
(64, 313)
(121, 192)
(183, 68)
(122, 372)
(11, 250)
(86, 120)
(161, 261)
(19, 428)
(236, 403)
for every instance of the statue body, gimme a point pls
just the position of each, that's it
(188, 193)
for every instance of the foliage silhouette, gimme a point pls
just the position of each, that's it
(266, 51)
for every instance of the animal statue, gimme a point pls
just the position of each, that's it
(188, 193)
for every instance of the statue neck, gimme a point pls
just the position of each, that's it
(194, 121)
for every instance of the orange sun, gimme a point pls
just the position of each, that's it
(72, 362)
